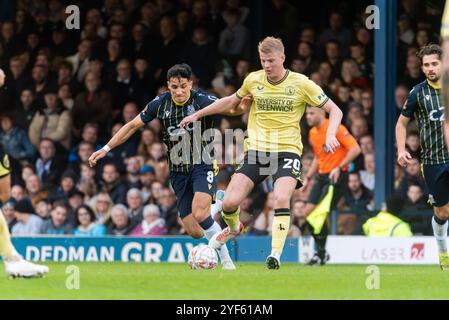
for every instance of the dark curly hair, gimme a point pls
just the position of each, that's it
(429, 50)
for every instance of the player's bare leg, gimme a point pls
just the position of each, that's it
(283, 191)
(439, 226)
(200, 224)
(192, 227)
(238, 189)
(15, 265)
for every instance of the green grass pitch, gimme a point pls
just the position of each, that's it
(251, 281)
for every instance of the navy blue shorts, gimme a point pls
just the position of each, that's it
(437, 180)
(200, 179)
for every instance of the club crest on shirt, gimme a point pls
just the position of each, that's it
(290, 90)
(190, 110)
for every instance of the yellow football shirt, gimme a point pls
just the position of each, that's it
(4, 164)
(277, 109)
(445, 22)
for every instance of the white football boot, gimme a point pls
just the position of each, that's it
(17, 267)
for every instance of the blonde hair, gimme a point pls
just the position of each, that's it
(270, 44)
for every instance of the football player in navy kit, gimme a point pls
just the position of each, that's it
(192, 168)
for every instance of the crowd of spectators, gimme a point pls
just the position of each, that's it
(69, 91)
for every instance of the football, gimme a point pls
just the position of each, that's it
(203, 257)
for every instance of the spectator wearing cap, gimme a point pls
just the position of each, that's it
(27, 222)
(147, 177)
(49, 166)
(134, 201)
(86, 224)
(121, 221)
(152, 224)
(53, 122)
(58, 223)
(15, 141)
(8, 213)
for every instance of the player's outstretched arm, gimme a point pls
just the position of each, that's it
(5, 188)
(241, 108)
(404, 157)
(121, 136)
(2, 78)
(335, 116)
(220, 106)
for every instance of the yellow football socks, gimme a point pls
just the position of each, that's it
(281, 224)
(232, 219)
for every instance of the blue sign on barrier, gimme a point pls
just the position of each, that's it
(258, 248)
(133, 249)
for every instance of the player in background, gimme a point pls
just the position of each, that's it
(424, 101)
(331, 169)
(445, 72)
(15, 265)
(194, 184)
(274, 137)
